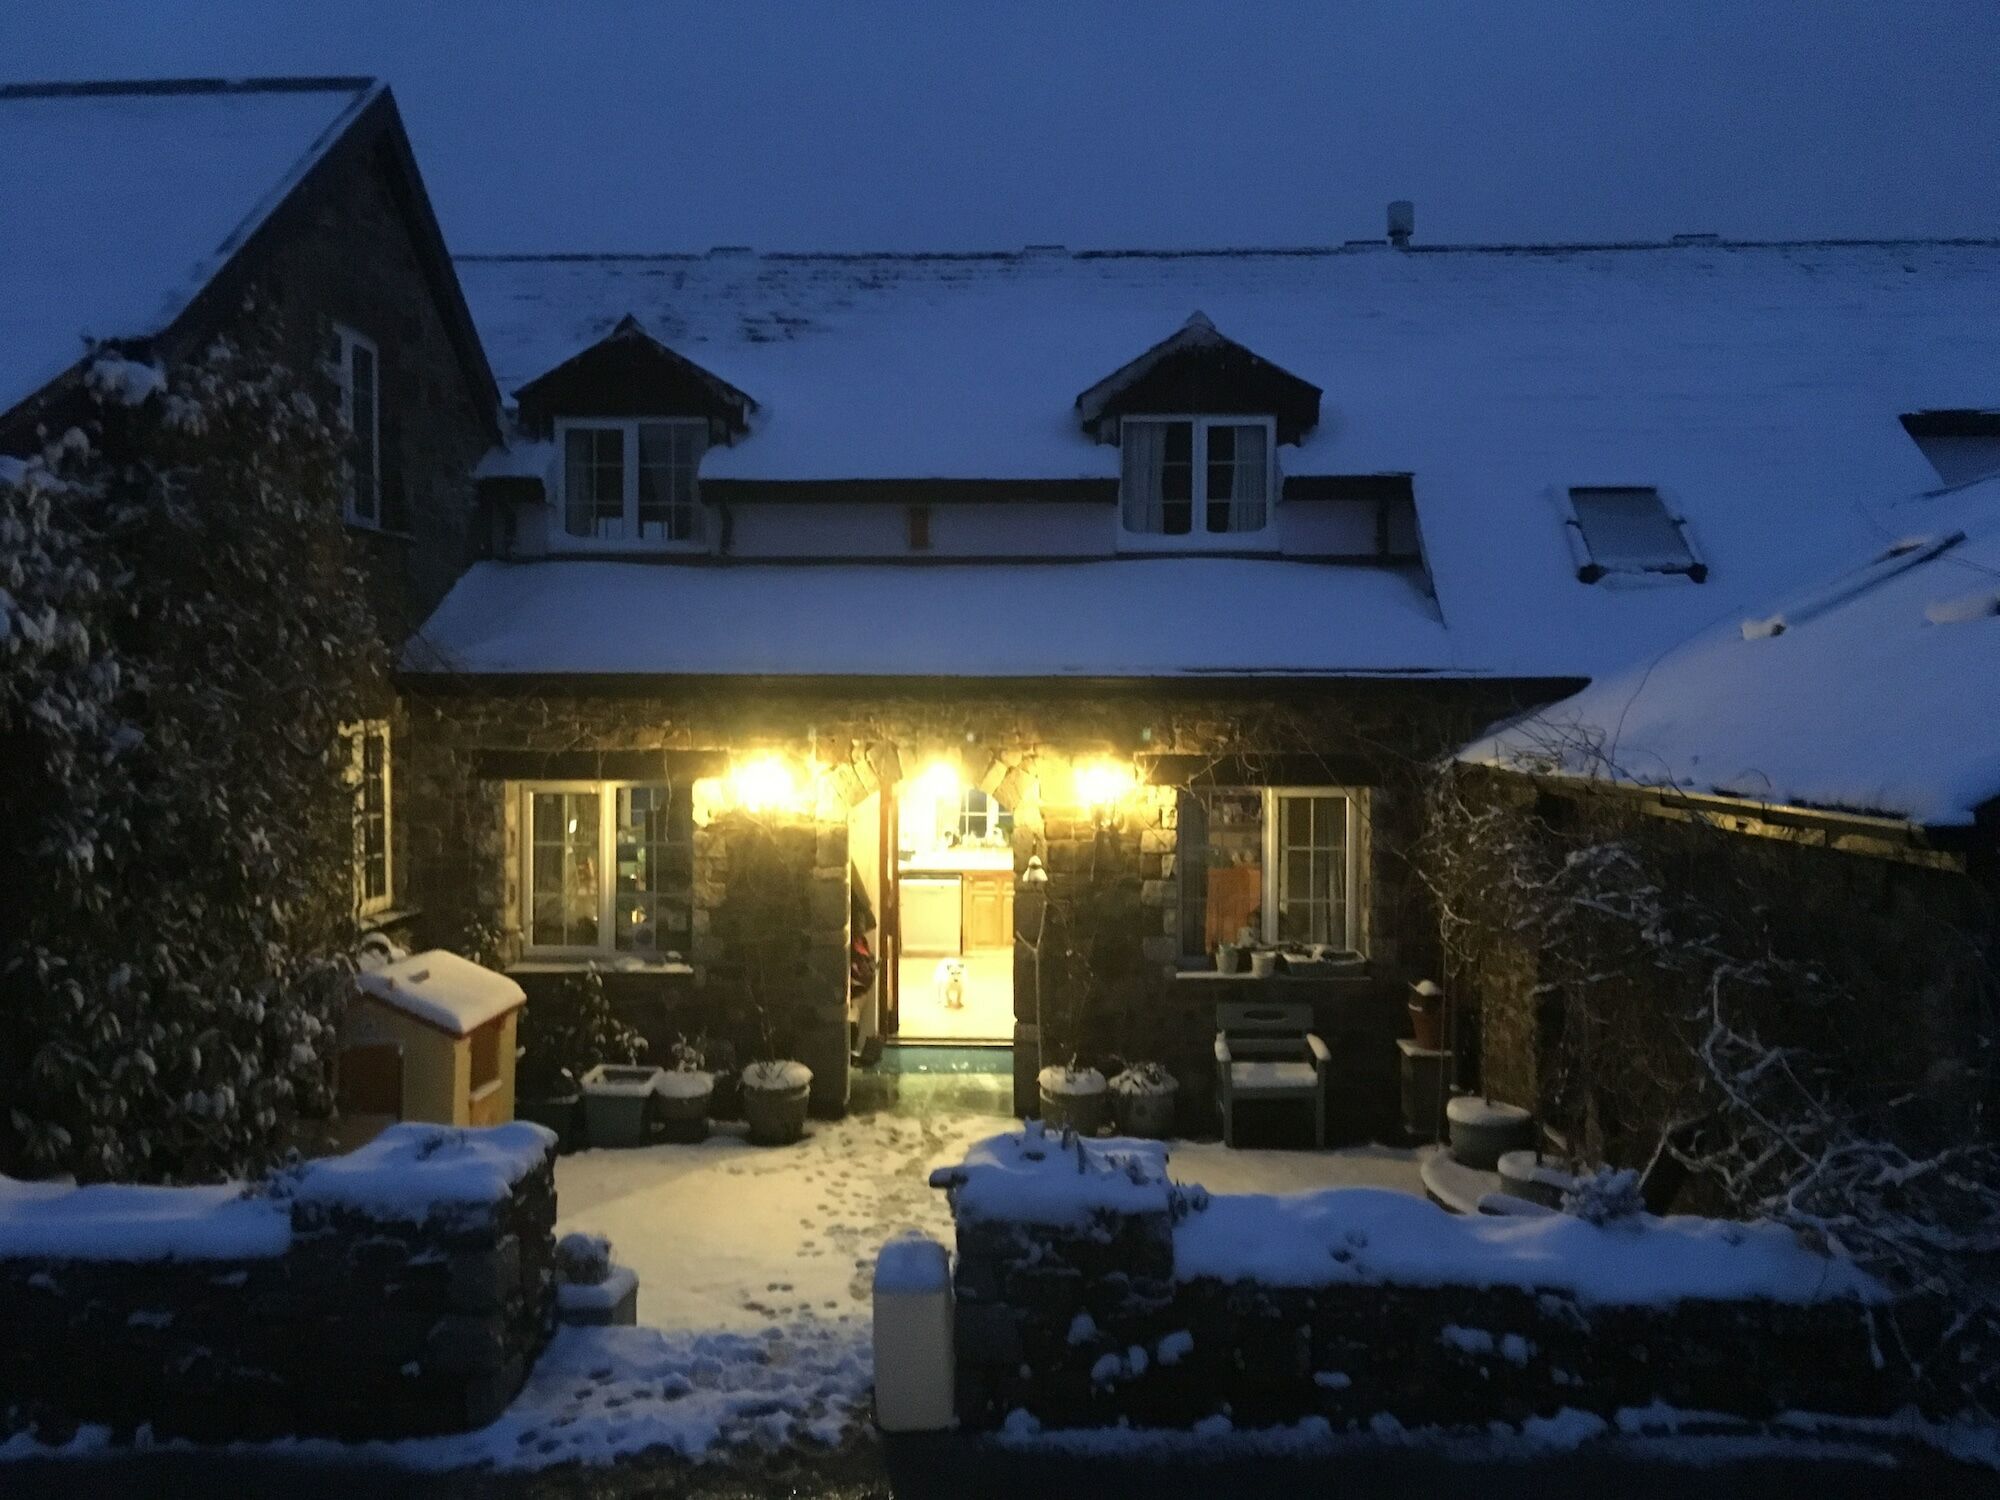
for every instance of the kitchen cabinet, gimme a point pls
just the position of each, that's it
(989, 909)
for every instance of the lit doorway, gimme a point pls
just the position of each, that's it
(954, 910)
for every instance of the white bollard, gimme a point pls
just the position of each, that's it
(914, 1382)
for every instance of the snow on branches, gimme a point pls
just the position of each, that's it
(182, 633)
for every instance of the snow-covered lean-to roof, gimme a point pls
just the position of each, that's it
(1758, 387)
(124, 200)
(1873, 690)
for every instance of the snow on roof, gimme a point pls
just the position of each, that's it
(124, 200)
(1757, 386)
(1117, 617)
(443, 990)
(1875, 690)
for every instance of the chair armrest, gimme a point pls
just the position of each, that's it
(1321, 1057)
(1222, 1049)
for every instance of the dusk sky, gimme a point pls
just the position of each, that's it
(925, 124)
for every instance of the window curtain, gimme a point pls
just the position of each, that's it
(1145, 445)
(1248, 477)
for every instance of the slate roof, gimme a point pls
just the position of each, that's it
(1872, 690)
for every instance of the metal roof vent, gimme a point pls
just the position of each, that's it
(1402, 223)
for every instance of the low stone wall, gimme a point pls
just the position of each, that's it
(403, 1290)
(1105, 1315)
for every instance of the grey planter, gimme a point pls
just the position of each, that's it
(682, 1111)
(1085, 1113)
(564, 1116)
(776, 1117)
(617, 1100)
(1482, 1130)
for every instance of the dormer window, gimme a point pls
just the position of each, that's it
(1628, 529)
(1190, 480)
(632, 481)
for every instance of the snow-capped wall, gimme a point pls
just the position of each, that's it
(403, 1290)
(1092, 1290)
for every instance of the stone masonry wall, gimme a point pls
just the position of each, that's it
(368, 1326)
(1086, 1326)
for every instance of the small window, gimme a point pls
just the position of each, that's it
(1193, 479)
(609, 868)
(1628, 529)
(981, 819)
(368, 773)
(1280, 861)
(357, 371)
(633, 482)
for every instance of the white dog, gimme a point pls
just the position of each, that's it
(949, 981)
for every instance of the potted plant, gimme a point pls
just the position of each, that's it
(775, 1093)
(564, 1034)
(1427, 1015)
(1143, 1098)
(681, 1093)
(1074, 1096)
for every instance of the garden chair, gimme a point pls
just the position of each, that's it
(1267, 1051)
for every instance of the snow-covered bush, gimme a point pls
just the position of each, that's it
(583, 1259)
(182, 635)
(1604, 1196)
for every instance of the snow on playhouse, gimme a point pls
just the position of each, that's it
(1091, 1290)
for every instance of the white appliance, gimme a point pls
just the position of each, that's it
(931, 915)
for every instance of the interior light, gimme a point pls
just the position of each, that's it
(761, 785)
(940, 779)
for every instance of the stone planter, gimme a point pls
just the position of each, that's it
(564, 1116)
(1075, 1099)
(775, 1096)
(1144, 1100)
(1482, 1130)
(1526, 1175)
(616, 1102)
(680, 1104)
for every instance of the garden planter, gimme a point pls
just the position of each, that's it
(775, 1095)
(563, 1115)
(1526, 1175)
(1228, 958)
(1427, 1015)
(1143, 1101)
(680, 1104)
(1263, 964)
(616, 1101)
(1074, 1097)
(1482, 1130)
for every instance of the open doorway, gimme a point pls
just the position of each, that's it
(954, 910)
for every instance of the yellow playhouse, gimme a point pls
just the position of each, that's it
(429, 1037)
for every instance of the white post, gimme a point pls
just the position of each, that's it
(914, 1373)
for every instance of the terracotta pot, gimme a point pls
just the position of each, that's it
(1427, 1025)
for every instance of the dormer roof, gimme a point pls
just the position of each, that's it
(629, 373)
(1198, 368)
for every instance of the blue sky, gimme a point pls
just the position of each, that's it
(897, 125)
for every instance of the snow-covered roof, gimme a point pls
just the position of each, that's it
(1757, 386)
(1112, 617)
(443, 990)
(124, 201)
(1875, 690)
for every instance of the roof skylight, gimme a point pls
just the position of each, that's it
(1628, 529)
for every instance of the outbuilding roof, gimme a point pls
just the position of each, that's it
(1757, 388)
(1873, 690)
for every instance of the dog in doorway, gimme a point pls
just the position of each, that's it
(949, 982)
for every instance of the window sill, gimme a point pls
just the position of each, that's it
(387, 533)
(608, 963)
(388, 916)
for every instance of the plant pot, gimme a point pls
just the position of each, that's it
(1427, 1016)
(1086, 1110)
(775, 1096)
(617, 1099)
(680, 1106)
(1228, 957)
(1483, 1130)
(1263, 964)
(563, 1115)
(1148, 1115)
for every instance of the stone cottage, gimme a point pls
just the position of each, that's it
(971, 648)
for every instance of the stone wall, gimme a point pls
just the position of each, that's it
(346, 1320)
(1087, 1323)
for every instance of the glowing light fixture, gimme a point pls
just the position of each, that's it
(940, 780)
(1103, 784)
(762, 785)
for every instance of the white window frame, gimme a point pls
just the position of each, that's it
(356, 736)
(1590, 568)
(562, 538)
(1351, 846)
(606, 946)
(349, 340)
(1197, 538)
